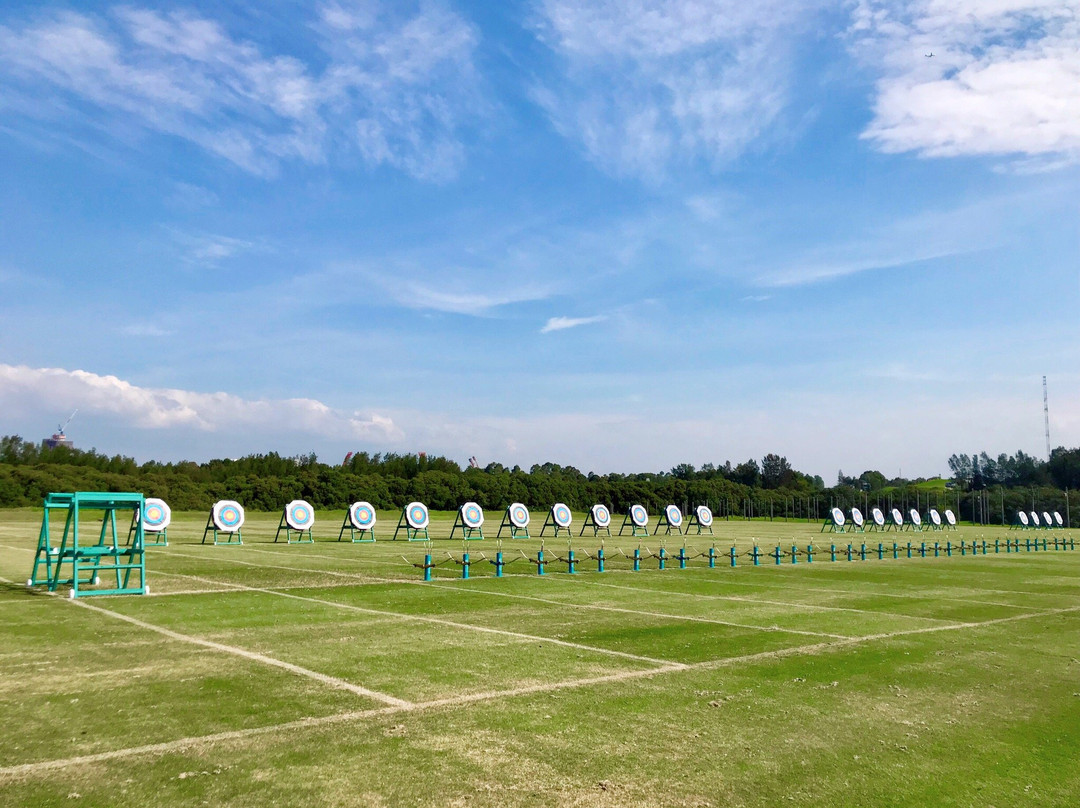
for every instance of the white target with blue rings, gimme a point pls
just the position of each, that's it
(416, 515)
(560, 515)
(916, 519)
(299, 515)
(155, 515)
(950, 517)
(704, 515)
(1023, 517)
(1047, 519)
(897, 517)
(857, 517)
(472, 515)
(674, 515)
(519, 515)
(1058, 519)
(638, 515)
(362, 515)
(935, 517)
(1034, 518)
(601, 515)
(838, 517)
(878, 517)
(228, 516)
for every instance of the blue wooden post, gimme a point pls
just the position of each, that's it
(498, 564)
(712, 557)
(862, 551)
(997, 546)
(756, 555)
(427, 567)
(776, 554)
(880, 551)
(1027, 544)
(832, 552)
(600, 560)
(682, 558)
(895, 550)
(984, 546)
(948, 549)
(922, 549)
(465, 565)
(794, 554)
(1044, 543)
(539, 562)
(849, 551)
(937, 549)
(909, 549)
(663, 557)
(810, 553)
(637, 559)
(570, 561)
(733, 555)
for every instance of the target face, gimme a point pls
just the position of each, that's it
(560, 515)
(857, 517)
(472, 515)
(299, 515)
(897, 517)
(838, 517)
(1047, 519)
(704, 515)
(638, 515)
(1023, 517)
(228, 516)
(935, 517)
(915, 518)
(1057, 518)
(878, 517)
(519, 515)
(950, 517)
(674, 515)
(155, 515)
(362, 515)
(601, 515)
(416, 515)
(1034, 518)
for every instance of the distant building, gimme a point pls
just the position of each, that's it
(57, 440)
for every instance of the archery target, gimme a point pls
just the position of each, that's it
(674, 515)
(228, 516)
(362, 515)
(1023, 517)
(857, 517)
(878, 517)
(472, 515)
(915, 518)
(155, 515)
(416, 515)
(299, 515)
(897, 517)
(838, 517)
(601, 516)
(560, 515)
(935, 517)
(704, 515)
(638, 515)
(519, 515)
(1034, 518)
(1047, 519)
(950, 517)
(1057, 518)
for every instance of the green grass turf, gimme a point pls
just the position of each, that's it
(330, 674)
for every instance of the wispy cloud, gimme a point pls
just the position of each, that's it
(1004, 78)
(562, 323)
(648, 84)
(24, 387)
(395, 88)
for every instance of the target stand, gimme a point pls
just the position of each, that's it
(516, 519)
(637, 519)
(935, 520)
(897, 522)
(360, 518)
(701, 518)
(297, 519)
(914, 521)
(669, 519)
(877, 521)
(226, 519)
(1021, 522)
(155, 517)
(470, 520)
(414, 520)
(835, 523)
(559, 518)
(598, 518)
(85, 561)
(858, 523)
(950, 519)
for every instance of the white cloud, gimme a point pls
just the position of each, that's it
(27, 389)
(562, 323)
(646, 84)
(1004, 78)
(397, 90)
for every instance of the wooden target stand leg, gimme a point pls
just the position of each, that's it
(290, 532)
(411, 533)
(832, 527)
(550, 522)
(662, 521)
(161, 537)
(467, 533)
(234, 538)
(515, 531)
(590, 521)
(635, 530)
(347, 523)
(695, 522)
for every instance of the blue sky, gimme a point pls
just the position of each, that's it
(617, 235)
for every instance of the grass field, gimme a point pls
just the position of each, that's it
(329, 674)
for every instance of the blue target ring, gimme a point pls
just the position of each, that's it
(299, 515)
(362, 515)
(674, 515)
(897, 517)
(156, 515)
(228, 516)
(704, 515)
(561, 514)
(472, 515)
(638, 515)
(417, 515)
(915, 518)
(519, 515)
(601, 515)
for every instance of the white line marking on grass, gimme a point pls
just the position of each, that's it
(621, 610)
(354, 576)
(27, 769)
(333, 681)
